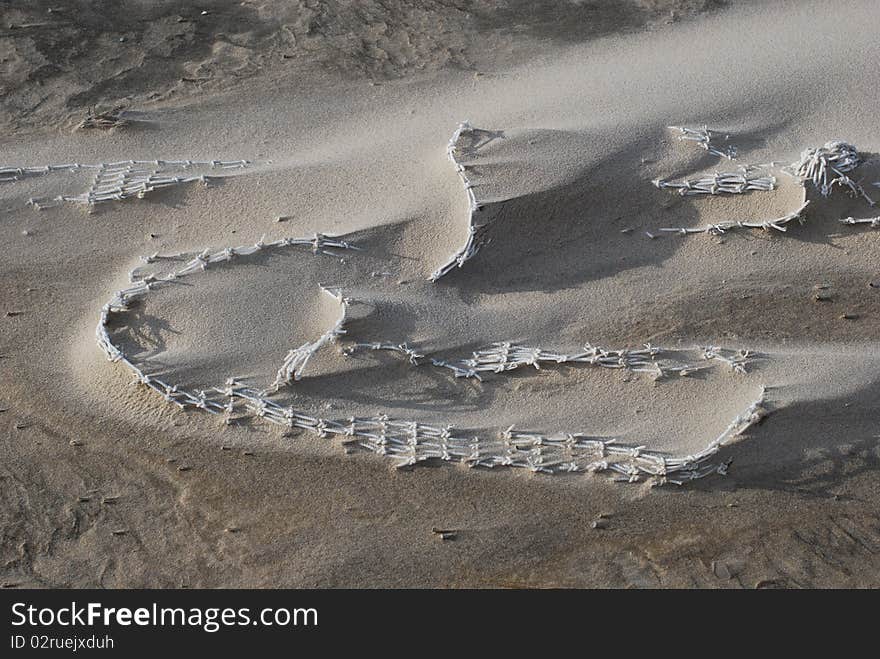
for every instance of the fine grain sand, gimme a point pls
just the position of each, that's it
(345, 117)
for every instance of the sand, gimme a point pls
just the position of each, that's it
(346, 124)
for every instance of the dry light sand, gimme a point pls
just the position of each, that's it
(345, 114)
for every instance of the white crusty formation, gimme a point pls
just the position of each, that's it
(295, 361)
(115, 181)
(505, 356)
(464, 143)
(707, 139)
(826, 166)
(410, 442)
(779, 224)
(721, 183)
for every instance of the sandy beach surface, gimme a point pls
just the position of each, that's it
(343, 112)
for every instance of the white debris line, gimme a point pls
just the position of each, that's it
(414, 357)
(465, 142)
(408, 443)
(826, 166)
(736, 360)
(9, 174)
(295, 361)
(707, 139)
(721, 183)
(873, 222)
(778, 224)
(502, 357)
(114, 181)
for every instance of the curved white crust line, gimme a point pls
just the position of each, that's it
(476, 231)
(410, 442)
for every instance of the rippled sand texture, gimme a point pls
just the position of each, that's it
(337, 121)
